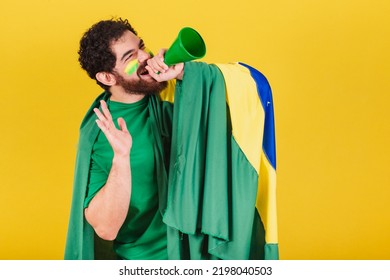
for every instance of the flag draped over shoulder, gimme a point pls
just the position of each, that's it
(221, 200)
(80, 237)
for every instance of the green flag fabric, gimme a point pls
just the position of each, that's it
(213, 187)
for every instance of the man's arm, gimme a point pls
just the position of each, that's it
(108, 209)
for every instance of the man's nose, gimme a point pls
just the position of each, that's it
(143, 55)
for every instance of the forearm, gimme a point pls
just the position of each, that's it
(180, 75)
(108, 209)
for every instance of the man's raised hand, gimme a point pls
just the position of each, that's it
(119, 139)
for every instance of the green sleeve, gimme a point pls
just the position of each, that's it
(97, 179)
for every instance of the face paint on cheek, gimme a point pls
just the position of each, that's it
(131, 67)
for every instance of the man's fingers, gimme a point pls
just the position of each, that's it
(104, 125)
(98, 114)
(101, 126)
(156, 64)
(122, 125)
(101, 118)
(153, 73)
(105, 110)
(104, 115)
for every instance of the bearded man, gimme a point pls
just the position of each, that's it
(150, 173)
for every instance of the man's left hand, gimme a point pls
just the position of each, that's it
(160, 71)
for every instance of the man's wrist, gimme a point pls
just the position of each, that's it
(121, 159)
(181, 74)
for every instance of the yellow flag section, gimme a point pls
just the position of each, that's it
(249, 98)
(168, 94)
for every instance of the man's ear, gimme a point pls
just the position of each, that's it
(106, 78)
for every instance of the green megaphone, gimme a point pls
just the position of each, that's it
(188, 46)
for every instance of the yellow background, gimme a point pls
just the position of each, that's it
(328, 65)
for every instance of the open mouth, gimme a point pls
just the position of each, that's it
(142, 70)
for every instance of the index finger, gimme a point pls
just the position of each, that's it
(105, 110)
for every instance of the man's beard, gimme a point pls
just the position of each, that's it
(140, 87)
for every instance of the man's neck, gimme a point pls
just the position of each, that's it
(124, 97)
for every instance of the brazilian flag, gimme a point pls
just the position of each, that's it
(221, 199)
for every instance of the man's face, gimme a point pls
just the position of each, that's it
(126, 49)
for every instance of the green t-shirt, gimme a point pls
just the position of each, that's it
(143, 234)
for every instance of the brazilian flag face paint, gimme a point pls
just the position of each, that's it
(131, 67)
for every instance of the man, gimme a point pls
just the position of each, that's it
(154, 174)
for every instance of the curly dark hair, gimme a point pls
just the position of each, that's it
(95, 54)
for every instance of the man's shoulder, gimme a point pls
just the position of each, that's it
(96, 103)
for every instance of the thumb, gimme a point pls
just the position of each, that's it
(122, 125)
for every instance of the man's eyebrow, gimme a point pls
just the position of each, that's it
(126, 54)
(140, 45)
